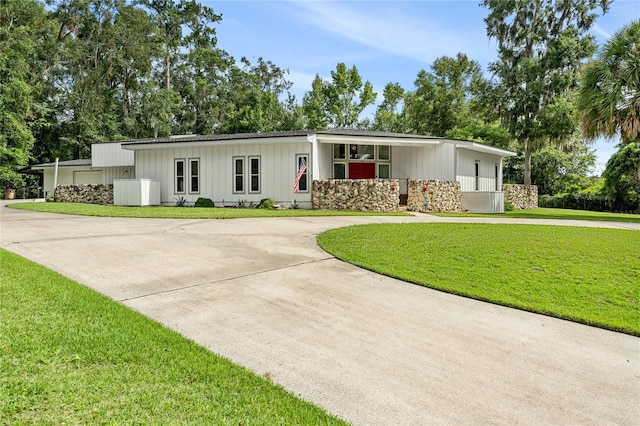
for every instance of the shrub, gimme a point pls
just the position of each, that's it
(204, 202)
(508, 206)
(266, 203)
(181, 202)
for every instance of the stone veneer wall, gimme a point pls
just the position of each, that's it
(440, 196)
(521, 196)
(367, 195)
(84, 193)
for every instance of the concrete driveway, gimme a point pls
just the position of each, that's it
(369, 349)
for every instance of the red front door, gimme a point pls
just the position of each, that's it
(362, 170)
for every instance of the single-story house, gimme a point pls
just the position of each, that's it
(249, 167)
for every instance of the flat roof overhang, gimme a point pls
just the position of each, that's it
(378, 140)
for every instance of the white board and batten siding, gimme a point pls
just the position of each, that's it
(70, 176)
(111, 155)
(115, 162)
(216, 171)
(483, 202)
(423, 162)
(466, 171)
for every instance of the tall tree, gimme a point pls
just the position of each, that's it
(340, 102)
(182, 24)
(389, 114)
(253, 100)
(25, 30)
(442, 96)
(609, 91)
(541, 44)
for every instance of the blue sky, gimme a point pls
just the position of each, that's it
(388, 41)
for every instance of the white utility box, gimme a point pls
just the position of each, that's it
(136, 192)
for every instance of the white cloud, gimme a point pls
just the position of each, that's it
(384, 28)
(599, 30)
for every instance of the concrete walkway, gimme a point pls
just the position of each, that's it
(370, 349)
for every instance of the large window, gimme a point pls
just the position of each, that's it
(339, 151)
(194, 174)
(362, 152)
(254, 174)
(302, 172)
(179, 174)
(238, 174)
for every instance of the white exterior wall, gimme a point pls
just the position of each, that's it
(466, 163)
(277, 171)
(111, 155)
(324, 161)
(109, 174)
(69, 176)
(428, 162)
(483, 202)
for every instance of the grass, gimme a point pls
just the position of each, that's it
(71, 356)
(547, 213)
(183, 212)
(588, 275)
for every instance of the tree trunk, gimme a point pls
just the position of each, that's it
(527, 162)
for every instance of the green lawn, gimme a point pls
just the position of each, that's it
(545, 213)
(588, 275)
(71, 356)
(181, 212)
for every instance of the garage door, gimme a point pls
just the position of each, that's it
(88, 176)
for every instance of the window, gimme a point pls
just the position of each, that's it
(339, 152)
(477, 175)
(497, 176)
(238, 174)
(384, 152)
(179, 173)
(384, 171)
(362, 152)
(254, 174)
(194, 173)
(339, 171)
(303, 182)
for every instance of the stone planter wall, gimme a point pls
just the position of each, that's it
(84, 193)
(367, 195)
(434, 196)
(521, 196)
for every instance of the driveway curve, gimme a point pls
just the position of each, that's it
(370, 349)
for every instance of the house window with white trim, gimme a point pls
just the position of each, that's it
(194, 175)
(339, 170)
(238, 175)
(254, 174)
(303, 185)
(477, 176)
(384, 153)
(384, 171)
(497, 172)
(179, 176)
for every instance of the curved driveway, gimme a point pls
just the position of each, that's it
(370, 349)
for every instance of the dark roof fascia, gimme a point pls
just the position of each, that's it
(69, 163)
(216, 137)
